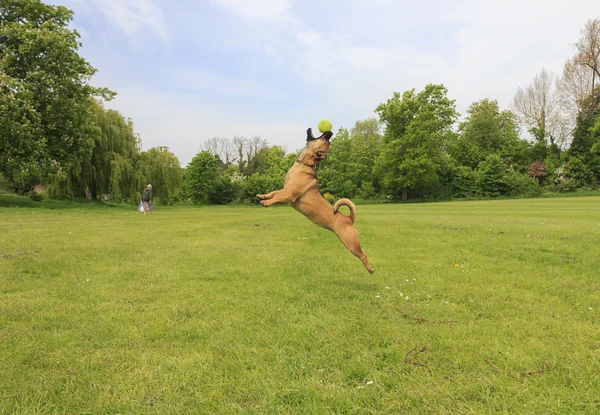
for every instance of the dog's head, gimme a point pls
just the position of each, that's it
(318, 146)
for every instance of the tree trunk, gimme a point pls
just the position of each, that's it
(404, 194)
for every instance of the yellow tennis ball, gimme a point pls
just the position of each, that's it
(324, 126)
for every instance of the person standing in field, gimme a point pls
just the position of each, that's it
(147, 200)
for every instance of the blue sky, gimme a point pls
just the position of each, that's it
(186, 71)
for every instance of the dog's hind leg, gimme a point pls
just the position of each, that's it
(349, 237)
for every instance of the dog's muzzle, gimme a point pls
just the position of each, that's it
(320, 155)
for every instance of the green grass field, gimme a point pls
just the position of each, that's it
(251, 310)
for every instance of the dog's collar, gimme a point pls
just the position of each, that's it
(314, 167)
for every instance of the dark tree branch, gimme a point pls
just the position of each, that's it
(425, 320)
(541, 370)
(414, 350)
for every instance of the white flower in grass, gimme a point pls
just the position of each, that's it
(400, 294)
(369, 382)
(591, 308)
(406, 298)
(387, 288)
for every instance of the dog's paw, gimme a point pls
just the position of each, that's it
(262, 203)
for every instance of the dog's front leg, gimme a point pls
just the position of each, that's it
(280, 196)
(267, 195)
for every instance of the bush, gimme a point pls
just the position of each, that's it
(579, 173)
(349, 188)
(564, 186)
(538, 170)
(367, 190)
(519, 184)
(464, 182)
(36, 197)
(222, 192)
(494, 178)
(260, 184)
(490, 177)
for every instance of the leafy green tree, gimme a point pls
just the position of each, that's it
(202, 178)
(496, 178)
(579, 172)
(46, 120)
(333, 172)
(583, 139)
(417, 137)
(222, 193)
(367, 141)
(161, 168)
(595, 131)
(584, 147)
(348, 171)
(465, 182)
(486, 130)
(276, 163)
(259, 184)
(111, 167)
(271, 171)
(491, 172)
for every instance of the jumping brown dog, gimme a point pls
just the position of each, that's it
(301, 190)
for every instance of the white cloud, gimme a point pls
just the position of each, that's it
(270, 10)
(478, 49)
(272, 53)
(134, 16)
(189, 79)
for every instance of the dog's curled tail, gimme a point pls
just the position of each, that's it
(348, 203)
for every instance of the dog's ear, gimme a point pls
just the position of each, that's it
(327, 135)
(310, 137)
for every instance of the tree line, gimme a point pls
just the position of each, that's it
(418, 146)
(56, 131)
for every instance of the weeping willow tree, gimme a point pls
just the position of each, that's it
(161, 168)
(110, 170)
